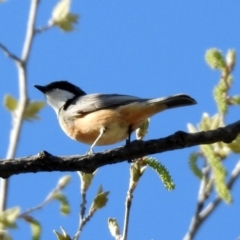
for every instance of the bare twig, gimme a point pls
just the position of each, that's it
(83, 222)
(211, 206)
(23, 96)
(48, 199)
(136, 172)
(128, 204)
(83, 205)
(200, 216)
(202, 196)
(44, 28)
(88, 163)
(9, 54)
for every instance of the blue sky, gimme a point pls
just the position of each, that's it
(144, 48)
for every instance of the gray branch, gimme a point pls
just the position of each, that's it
(45, 162)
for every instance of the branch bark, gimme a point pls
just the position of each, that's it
(45, 162)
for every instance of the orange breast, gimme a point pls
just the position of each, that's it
(86, 127)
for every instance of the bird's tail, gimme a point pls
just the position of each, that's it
(179, 100)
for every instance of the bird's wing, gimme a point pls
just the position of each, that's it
(93, 102)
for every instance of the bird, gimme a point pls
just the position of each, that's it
(103, 119)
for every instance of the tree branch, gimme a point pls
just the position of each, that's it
(9, 54)
(202, 214)
(45, 162)
(23, 96)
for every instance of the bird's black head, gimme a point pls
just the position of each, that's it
(62, 85)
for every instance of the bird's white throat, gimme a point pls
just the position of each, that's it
(57, 98)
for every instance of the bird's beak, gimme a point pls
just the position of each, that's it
(41, 88)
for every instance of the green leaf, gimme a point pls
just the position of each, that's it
(136, 171)
(67, 23)
(205, 123)
(113, 227)
(5, 235)
(63, 236)
(231, 58)
(162, 173)
(10, 103)
(219, 173)
(61, 10)
(8, 218)
(218, 92)
(235, 145)
(63, 181)
(32, 110)
(215, 59)
(62, 17)
(35, 226)
(236, 99)
(193, 165)
(86, 179)
(143, 129)
(64, 205)
(100, 200)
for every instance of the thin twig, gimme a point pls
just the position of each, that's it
(9, 54)
(23, 96)
(82, 219)
(136, 172)
(83, 205)
(44, 28)
(211, 206)
(83, 222)
(201, 216)
(48, 199)
(202, 196)
(128, 204)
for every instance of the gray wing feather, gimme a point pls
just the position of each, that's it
(92, 102)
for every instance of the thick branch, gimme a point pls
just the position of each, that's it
(45, 162)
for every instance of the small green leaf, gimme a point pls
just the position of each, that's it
(231, 58)
(193, 165)
(205, 123)
(162, 173)
(100, 200)
(219, 173)
(113, 227)
(143, 129)
(10, 103)
(215, 59)
(219, 92)
(35, 226)
(235, 145)
(61, 10)
(64, 205)
(8, 218)
(32, 110)
(63, 181)
(236, 99)
(5, 235)
(67, 23)
(191, 128)
(216, 121)
(86, 179)
(136, 171)
(63, 236)
(62, 17)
